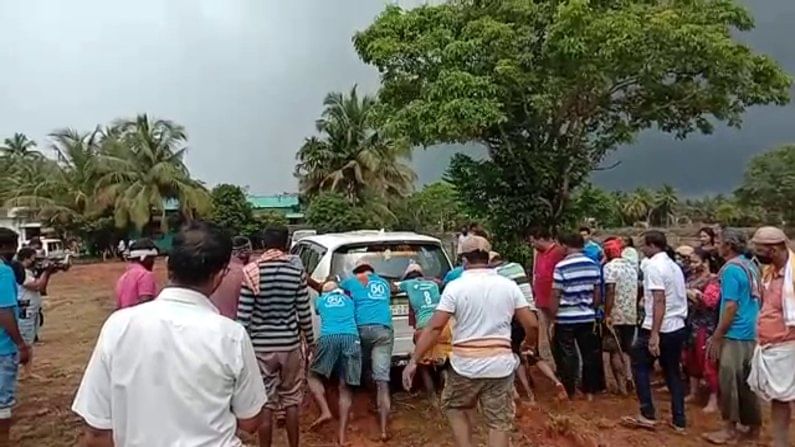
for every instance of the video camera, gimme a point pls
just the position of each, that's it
(55, 264)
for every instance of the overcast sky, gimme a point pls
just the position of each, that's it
(247, 78)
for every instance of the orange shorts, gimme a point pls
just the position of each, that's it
(440, 352)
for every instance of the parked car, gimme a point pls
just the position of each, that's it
(389, 253)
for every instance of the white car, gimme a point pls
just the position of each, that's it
(300, 234)
(330, 255)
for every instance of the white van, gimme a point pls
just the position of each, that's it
(300, 234)
(389, 253)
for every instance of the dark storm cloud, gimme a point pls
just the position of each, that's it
(247, 78)
(700, 164)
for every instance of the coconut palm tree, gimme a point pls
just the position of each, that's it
(351, 157)
(665, 202)
(18, 147)
(640, 205)
(140, 167)
(61, 191)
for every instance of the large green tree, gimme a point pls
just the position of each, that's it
(331, 212)
(434, 209)
(231, 209)
(549, 87)
(351, 156)
(591, 202)
(141, 168)
(769, 182)
(61, 192)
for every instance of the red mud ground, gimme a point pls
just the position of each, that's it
(80, 300)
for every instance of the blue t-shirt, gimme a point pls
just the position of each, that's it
(8, 300)
(423, 297)
(735, 286)
(337, 313)
(372, 301)
(453, 274)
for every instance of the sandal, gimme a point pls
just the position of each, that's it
(636, 422)
(679, 430)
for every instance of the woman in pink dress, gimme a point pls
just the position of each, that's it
(703, 293)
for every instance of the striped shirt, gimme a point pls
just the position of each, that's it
(517, 274)
(576, 277)
(275, 317)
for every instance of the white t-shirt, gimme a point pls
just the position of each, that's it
(483, 304)
(171, 372)
(663, 274)
(32, 297)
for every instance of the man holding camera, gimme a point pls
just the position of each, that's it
(13, 349)
(30, 294)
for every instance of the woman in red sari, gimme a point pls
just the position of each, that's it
(703, 293)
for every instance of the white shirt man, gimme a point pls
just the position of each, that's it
(171, 372)
(483, 304)
(661, 273)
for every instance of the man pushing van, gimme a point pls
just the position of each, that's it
(372, 297)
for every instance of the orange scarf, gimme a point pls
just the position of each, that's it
(251, 271)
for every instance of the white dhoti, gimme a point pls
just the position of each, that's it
(772, 374)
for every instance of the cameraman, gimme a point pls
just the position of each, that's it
(37, 270)
(13, 349)
(30, 294)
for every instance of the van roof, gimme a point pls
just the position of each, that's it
(334, 240)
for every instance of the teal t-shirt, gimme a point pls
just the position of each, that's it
(337, 313)
(8, 300)
(372, 301)
(423, 298)
(453, 275)
(735, 285)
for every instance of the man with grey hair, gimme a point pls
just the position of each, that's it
(774, 360)
(734, 340)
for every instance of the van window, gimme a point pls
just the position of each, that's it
(310, 255)
(391, 259)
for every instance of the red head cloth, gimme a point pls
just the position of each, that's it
(613, 248)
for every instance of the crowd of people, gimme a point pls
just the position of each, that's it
(230, 346)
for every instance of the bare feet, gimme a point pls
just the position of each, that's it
(322, 419)
(722, 437)
(561, 395)
(712, 405)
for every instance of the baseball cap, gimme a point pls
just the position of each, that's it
(475, 243)
(413, 267)
(769, 236)
(362, 265)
